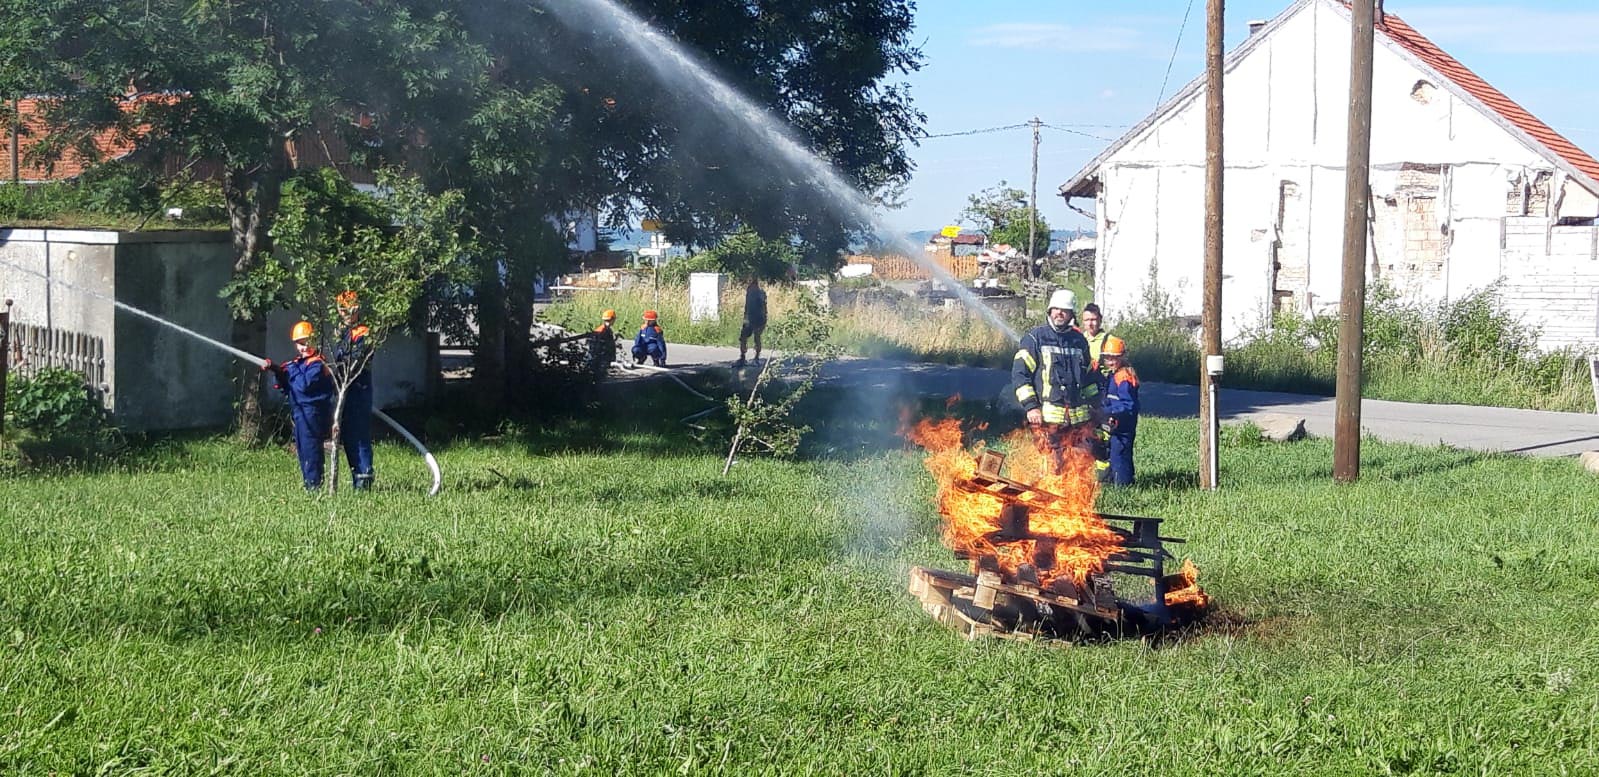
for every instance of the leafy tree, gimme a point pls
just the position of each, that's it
(1002, 212)
(745, 253)
(329, 237)
(230, 84)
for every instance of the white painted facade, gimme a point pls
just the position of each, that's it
(1462, 198)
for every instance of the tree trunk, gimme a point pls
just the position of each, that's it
(488, 358)
(330, 449)
(252, 195)
(518, 330)
(249, 408)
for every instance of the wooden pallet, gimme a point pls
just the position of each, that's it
(983, 606)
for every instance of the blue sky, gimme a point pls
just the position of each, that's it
(1096, 68)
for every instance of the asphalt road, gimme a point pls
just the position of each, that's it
(1469, 427)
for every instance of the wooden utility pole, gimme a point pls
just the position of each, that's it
(1209, 369)
(16, 142)
(5, 361)
(1032, 207)
(1352, 307)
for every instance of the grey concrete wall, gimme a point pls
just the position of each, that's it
(156, 377)
(166, 379)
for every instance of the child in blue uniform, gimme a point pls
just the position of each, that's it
(1121, 409)
(355, 425)
(308, 385)
(650, 341)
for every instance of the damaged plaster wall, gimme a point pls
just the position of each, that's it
(1445, 205)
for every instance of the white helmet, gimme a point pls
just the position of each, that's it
(1063, 299)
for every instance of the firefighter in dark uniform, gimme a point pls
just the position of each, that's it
(1054, 381)
(308, 385)
(353, 352)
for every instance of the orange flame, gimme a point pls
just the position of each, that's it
(1183, 588)
(972, 514)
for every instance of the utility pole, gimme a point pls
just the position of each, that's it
(1032, 208)
(1352, 307)
(16, 143)
(1211, 366)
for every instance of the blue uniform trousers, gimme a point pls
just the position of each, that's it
(311, 426)
(355, 432)
(1121, 460)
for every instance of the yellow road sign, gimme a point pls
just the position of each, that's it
(950, 231)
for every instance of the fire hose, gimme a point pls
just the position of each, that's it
(432, 463)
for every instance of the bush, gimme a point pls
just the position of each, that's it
(52, 415)
(1466, 351)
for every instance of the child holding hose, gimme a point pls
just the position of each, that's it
(308, 385)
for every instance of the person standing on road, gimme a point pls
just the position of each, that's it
(307, 384)
(1054, 383)
(1121, 411)
(1093, 322)
(353, 352)
(754, 320)
(650, 342)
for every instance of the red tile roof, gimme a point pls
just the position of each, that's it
(110, 144)
(1417, 44)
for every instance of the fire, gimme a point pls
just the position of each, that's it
(1183, 588)
(973, 516)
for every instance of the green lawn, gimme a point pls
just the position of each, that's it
(590, 597)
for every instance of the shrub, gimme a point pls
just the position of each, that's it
(1466, 351)
(52, 415)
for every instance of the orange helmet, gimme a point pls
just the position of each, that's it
(347, 299)
(301, 331)
(1114, 346)
(609, 315)
(650, 315)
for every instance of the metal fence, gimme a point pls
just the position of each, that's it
(32, 348)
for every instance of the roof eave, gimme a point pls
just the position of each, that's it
(1077, 185)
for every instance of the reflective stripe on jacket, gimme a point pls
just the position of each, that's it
(1051, 373)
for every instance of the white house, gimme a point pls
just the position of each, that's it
(1469, 189)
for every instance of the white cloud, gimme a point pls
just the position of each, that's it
(1056, 37)
(1507, 29)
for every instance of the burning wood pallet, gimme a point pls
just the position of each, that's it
(1017, 605)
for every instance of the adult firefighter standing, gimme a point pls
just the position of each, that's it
(353, 352)
(1054, 381)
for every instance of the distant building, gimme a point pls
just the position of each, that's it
(1469, 188)
(964, 244)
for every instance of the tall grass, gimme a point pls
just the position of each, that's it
(879, 325)
(1468, 351)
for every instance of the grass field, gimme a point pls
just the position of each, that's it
(589, 597)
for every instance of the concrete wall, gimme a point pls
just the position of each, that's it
(158, 378)
(1442, 170)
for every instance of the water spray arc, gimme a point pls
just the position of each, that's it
(432, 463)
(679, 71)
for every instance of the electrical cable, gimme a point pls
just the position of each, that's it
(1174, 48)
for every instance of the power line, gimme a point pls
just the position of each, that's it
(1076, 132)
(1060, 128)
(978, 131)
(1174, 48)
